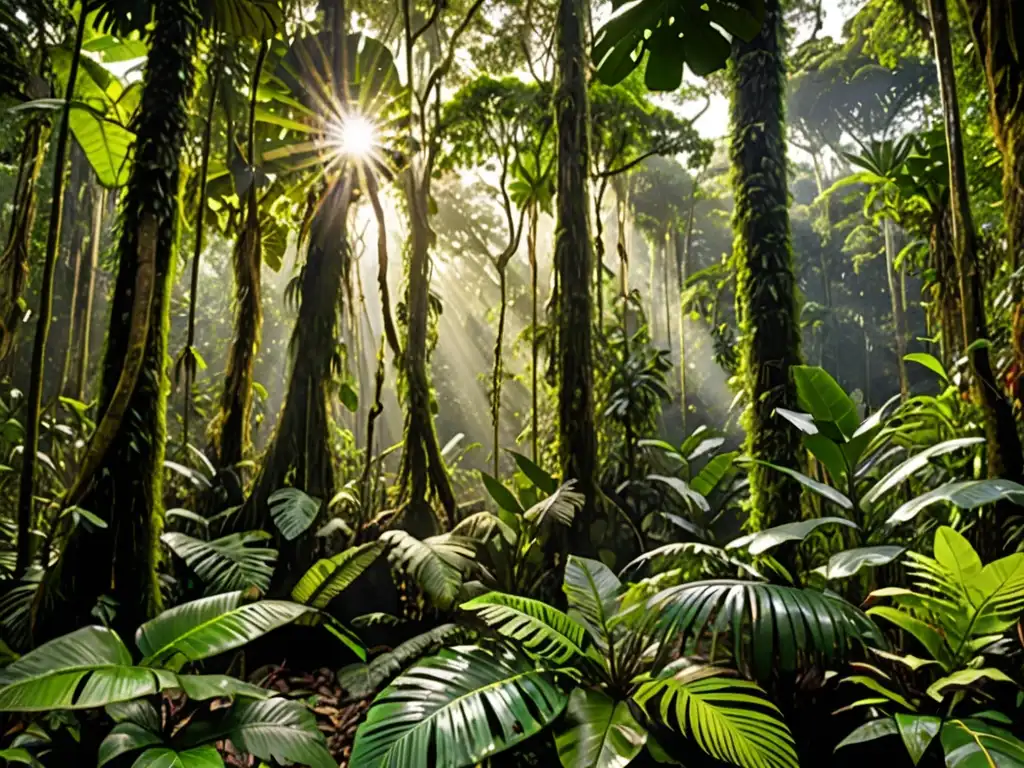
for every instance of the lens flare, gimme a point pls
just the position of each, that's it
(356, 136)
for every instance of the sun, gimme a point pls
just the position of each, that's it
(356, 136)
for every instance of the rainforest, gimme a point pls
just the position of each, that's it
(511, 383)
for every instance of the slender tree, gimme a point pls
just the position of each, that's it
(1003, 444)
(577, 445)
(766, 286)
(121, 477)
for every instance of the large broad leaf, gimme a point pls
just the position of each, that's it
(329, 577)
(684, 491)
(928, 361)
(917, 732)
(973, 743)
(534, 625)
(107, 145)
(360, 681)
(436, 564)
(560, 507)
(844, 564)
(457, 708)
(914, 464)
(711, 475)
(968, 494)
(229, 563)
(591, 589)
(88, 668)
(204, 628)
(277, 730)
(766, 627)
(762, 541)
(256, 19)
(536, 475)
(869, 731)
(825, 491)
(165, 757)
(965, 678)
(293, 511)
(824, 399)
(502, 496)
(729, 719)
(600, 732)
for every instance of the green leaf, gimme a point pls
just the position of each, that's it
(106, 144)
(874, 729)
(591, 589)
(844, 564)
(535, 626)
(684, 491)
(729, 719)
(20, 756)
(917, 732)
(226, 564)
(502, 496)
(929, 636)
(293, 511)
(203, 628)
(436, 564)
(928, 361)
(762, 541)
(968, 494)
(825, 491)
(955, 553)
(349, 396)
(86, 669)
(206, 687)
(600, 732)
(560, 507)
(536, 475)
(329, 577)
(124, 738)
(964, 678)
(973, 743)
(824, 399)
(164, 757)
(461, 706)
(711, 475)
(279, 730)
(912, 465)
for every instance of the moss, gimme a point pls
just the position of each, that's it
(766, 286)
(125, 488)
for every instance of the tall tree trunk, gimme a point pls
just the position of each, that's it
(232, 428)
(121, 479)
(577, 433)
(899, 316)
(1003, 444)
(498, 372)
(531, 241)
(666, 283)
(684, 258)
(99, 204)
(765, 285)
(26, 486)
(79, 198)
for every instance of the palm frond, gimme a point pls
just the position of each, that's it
(560, 507)
(460, 707)
(767, 626)
(229, 563)
(436, 564)
(329, 577)
(539, 629)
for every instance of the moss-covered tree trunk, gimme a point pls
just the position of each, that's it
(300, 453)
(1003, 444)
(121, 480)
(577, 446)
(232, 428)
(766, 286)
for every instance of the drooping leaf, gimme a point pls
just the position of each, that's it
(684, 491)
(869, 731)
(125, 738)
(928, 361)
(825, 491)
(844, 564)
(600, 732)
(457, 708)
(560, 507)
(914, 464)
(535, 626)
(762, 541)
(967, 494)
(229, 563)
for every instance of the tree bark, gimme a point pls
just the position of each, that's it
(766, 286)
(899, 316)
(573, 256)
(1003, 443)
(99, 204)
(122, 476)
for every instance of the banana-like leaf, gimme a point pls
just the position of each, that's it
(229, 563)
(730, 719)
(293, 511)
(436, 564)
(165, 757)
(768, 627)
(823, 490)
(844, 564)
(329, 577)
(913, 465)
(762, 541)
(591, 589)
(360, 681)
(967, 494)
(684, 491)
(538, 628)
(821, 396)
(482, 526)
(20, 756)
(711, 475)
(600, 732)
(125, 738)
(560, 507)
(869, 731)
(85, 669)
(203, 628)
(276, 730)
(456, 709)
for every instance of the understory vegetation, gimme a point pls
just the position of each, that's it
(451, 383)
